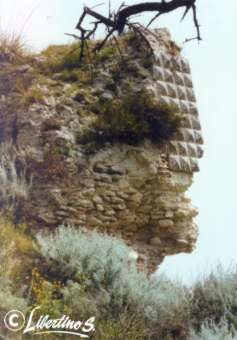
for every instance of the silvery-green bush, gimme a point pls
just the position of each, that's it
(103, 265)
(215, 297)
(8, 300)
(100, 278)
(211, 331)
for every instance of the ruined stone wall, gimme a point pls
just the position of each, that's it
(136, 192)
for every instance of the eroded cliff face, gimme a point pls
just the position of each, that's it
(133, 191)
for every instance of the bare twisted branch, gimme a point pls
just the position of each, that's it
(117, 22)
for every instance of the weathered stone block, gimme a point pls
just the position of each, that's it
(166, 223)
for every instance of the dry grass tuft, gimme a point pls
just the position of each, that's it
(12, 47)
(14, 184)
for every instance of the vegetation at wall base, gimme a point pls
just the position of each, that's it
(84, 274)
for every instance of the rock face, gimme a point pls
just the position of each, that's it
(133, 191)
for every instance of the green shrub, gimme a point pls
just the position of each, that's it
(125, 327)
(132, 118)
(215, 297)
(11, 285)
(17, 251)
(107, 53)
(61, 57)
(212, 331)
(8, 300)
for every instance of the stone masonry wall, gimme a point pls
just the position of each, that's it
(133, 192)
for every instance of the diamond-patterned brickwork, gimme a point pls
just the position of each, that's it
(174, 86)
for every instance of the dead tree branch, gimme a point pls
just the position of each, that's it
(117, 21)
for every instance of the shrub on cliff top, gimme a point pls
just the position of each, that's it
(61, 57)
(132, 118)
